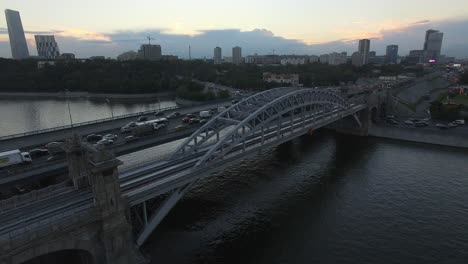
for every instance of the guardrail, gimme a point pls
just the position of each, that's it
(98, 121)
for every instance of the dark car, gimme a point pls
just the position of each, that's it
(421, 124)
(392, 121)
(36, 153)
(177, 114)
(190, 116)
(93, 138)
(194, 121)
(186, 119)
(159, 113)
(142, 119)
(131, 138)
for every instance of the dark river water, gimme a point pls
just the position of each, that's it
(325, 199)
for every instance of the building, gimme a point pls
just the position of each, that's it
(282, 78)
(337, 58)
(150, 52)
(217, 55)
(43, 64)
(357, 59)
(391, 56)
(66, 56)
(364, 47)
(19, 48)
(378, 60)
(128, 55)
(415, 56)
(47, 47)
(324, 58)
(294, 60)
(433, 45)
(313, 59)
(237, 55)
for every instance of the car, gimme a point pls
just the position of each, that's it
(131, 124)
(93, 138)
(409, 122)
(159, 113)
(177, 114)
(235, 101)
(142, 119)
(441, 126)
(186, 119)
(193, 121)
(392, 121)
(159, 126)
(36, 153)
(130, 138)
(390, 117)
(452, 125)
(105, 142)
(203, 121)
(190, 115)
(180, 128)
(110, 136)
(54, 157)
(421, 124)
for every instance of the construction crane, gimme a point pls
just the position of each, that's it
(149, 39)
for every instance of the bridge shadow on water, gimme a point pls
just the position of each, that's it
(230, 216)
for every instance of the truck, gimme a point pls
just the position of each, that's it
(142, 129)
(205, 114)
(14, 157)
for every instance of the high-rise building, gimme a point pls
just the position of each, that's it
(217, 55)
(391, 56)
(357, 59)
(433, 45)
(19, 48)
(47, 47)
(237, 55)
(150, 52)
(364, 47)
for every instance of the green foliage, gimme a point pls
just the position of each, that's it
(464, 78)
(445, 111)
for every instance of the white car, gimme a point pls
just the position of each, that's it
(105, 142)
(110, 136)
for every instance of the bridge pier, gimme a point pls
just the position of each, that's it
(90, 167)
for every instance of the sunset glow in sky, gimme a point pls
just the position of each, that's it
(309, 21)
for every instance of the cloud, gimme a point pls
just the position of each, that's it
(408, 36)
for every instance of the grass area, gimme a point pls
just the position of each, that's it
(460, 99)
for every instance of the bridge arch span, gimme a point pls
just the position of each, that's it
(253, 115)
(87, 251)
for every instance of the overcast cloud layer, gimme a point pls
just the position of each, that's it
(261, 41)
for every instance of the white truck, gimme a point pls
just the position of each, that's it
(13, 157)
(205, 114)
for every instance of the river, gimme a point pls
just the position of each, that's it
(325, 199)
(24, 115)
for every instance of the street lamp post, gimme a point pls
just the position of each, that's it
(112, 110)
(69, 113)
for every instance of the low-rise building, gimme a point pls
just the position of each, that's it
(297, 60)
(282, 78)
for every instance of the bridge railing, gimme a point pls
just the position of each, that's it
(99, 121)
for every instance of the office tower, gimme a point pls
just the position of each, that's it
(364, 47)
(237, 55)
(217, 55)
(357, 59)
(391, 56)
(47, 47)
(150, 52)
(433, 45)
(19, 48)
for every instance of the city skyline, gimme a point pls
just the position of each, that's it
(83, 35)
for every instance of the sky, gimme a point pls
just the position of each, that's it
(312, 27)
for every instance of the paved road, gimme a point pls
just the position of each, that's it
(29, 142)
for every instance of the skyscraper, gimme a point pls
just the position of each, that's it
(47, 46)
(217, 55)
(364, 47)
(150, 52)
(391, 56)
(433, 44)
(19, 48)
(237, 55)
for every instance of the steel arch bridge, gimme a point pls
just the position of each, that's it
(263, 120)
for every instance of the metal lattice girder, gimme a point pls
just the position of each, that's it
(272, 112)
(231, 116)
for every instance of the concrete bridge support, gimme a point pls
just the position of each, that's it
(103, 231)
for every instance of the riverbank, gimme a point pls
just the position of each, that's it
(61, 95)
(451, 138)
